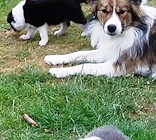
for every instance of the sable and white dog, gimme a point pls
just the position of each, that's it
(123, 35)
(36, 15)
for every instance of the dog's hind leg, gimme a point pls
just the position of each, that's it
(30, 33)
(63, 29)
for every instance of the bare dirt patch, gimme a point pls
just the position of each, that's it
(16, 53)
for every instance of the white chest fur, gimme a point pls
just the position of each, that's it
(111, 47)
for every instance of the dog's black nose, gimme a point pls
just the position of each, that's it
(111, 28)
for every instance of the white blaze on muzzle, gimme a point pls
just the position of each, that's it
(113, 26)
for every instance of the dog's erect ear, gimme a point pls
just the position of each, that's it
(136, 2)
(93, 4)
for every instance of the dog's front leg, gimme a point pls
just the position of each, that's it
(94, 56)
(30, 33)
(43, 31)
(99, 69)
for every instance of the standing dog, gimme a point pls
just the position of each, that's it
(123, 35)
(38, 14)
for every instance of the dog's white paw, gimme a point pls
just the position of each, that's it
(54, 59)
(43, 42)
(59, 72)
(58, 33)
(24, 37)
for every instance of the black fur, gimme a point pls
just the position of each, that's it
(10, 19)
(53, 12)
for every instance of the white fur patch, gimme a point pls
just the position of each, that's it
(18, 16)
(111, 47)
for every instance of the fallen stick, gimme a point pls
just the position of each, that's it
(29, 120)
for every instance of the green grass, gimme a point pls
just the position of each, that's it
(66, 109)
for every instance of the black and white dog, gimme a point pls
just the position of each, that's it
(123, 35)
(38, 14)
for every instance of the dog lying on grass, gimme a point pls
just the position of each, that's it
(123, 35)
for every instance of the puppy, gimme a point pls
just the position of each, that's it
(36, 15)
(105, 133)
(123, 35)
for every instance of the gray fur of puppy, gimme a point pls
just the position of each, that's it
(105, 133)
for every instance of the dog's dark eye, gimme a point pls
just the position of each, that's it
(122, 12)
(104, 11)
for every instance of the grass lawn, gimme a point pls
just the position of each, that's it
(66, 109)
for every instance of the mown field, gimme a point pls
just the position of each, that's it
(66, 109)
